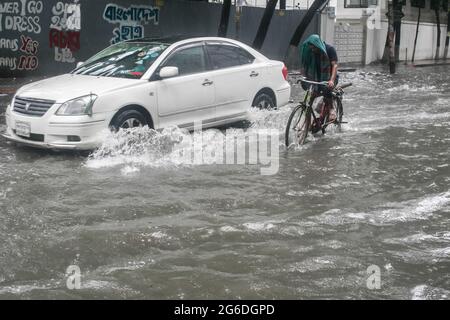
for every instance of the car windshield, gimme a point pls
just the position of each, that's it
(123, 60)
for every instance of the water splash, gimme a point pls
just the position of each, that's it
(174, 147)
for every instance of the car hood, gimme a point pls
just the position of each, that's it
(70, 86)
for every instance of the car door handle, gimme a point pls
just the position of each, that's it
(207, 82)
(254, 74)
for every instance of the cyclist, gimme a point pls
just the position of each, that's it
(319, 63)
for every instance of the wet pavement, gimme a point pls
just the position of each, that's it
(141, 223)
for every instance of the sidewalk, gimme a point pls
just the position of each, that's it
(9, 86)
(430, 63)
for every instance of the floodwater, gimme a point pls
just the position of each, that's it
(140, 222)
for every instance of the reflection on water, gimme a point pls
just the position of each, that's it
(142, 223)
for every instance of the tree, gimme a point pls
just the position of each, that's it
(318, 5)
(264, 25)
(419, 4)
(398, 15)
(224, 19)
(417, 35)
(447, 38)
(436, 6)
(292, 52)
(391, 35)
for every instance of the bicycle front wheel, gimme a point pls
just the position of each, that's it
(337, 104)
(298, 125)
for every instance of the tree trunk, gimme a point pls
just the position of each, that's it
(223, 26)
(292, 53)
(264, 25)
(438, 43)
(398, 15)
(391, 37)
(237, 21)
(417, 34)
(447, 39)
(298, 34)
(385, 58)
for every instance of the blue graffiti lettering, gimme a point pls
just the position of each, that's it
(117, 14)
(127, 33)
(130, 20)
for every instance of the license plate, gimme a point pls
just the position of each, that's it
(23, 129)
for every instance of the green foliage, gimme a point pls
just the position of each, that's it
(418, 3)
(438, 4)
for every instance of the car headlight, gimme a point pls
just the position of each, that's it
(76, 107)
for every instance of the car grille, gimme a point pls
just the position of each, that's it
(32, 107)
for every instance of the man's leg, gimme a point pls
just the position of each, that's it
(316, 125)
(328, 110)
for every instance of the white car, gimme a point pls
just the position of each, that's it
(158, 83)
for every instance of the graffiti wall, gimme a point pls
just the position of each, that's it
(20, 27)
(48, 37)
(65, 30)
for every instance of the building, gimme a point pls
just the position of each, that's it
(290, 4)
(362, 25)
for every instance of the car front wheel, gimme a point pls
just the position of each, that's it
(129, 119)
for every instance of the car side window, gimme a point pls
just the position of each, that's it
(188, 61)
(225, 56)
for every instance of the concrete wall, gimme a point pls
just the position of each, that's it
(426, 41)
(46, 37)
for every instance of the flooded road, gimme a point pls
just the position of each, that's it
(140, 223)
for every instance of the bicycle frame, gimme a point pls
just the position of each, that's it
(308, 99)
(337, 93)
(307, 106)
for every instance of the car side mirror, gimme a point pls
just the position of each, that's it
(79, 64)
(168, 72)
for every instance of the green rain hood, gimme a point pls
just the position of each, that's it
(316, 67)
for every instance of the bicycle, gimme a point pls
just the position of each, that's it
(300, 121)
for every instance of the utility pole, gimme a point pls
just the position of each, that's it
(391, 34)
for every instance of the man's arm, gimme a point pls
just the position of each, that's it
(334, 69)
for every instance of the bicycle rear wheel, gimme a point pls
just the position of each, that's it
(298, 125)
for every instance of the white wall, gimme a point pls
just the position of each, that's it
(411, 13)
(327, 25)
(426, 41)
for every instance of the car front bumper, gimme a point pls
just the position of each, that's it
(58, 132)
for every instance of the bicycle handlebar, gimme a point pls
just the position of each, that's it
(346, 85)
(303, 79)
(324, 83)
